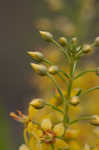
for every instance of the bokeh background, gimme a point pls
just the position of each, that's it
(20, 22)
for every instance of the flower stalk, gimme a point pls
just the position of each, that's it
(49, 132)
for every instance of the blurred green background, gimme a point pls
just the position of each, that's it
(19, 25)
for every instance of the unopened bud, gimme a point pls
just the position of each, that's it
(59, 129)
(39, 68)
(62, 41)
(53, 69)
(86, 147)
(74, 40)
(97, 71)
(37, 103)
(46, 124)
(87, 48)
(97, 41)
(23, 147)
(47, 36)
(95, 120)
(37, 56)
(74, 100)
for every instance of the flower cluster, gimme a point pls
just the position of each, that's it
(48, 125)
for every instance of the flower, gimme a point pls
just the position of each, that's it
(20, 117)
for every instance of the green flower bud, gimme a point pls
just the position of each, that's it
(37, 103)
(74, 100)
(39, 68)
(95, 120)
(47, 36)
(37, 56)
(63, 41)
(53, 70)
(87, 48)
(97, 41)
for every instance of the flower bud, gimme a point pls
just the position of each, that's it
(95, 120)
(37, 56)
(39, 68)
(59, 129)
(96, 131)
(53, 69)
(97, 71)
(87, 48)
(63, 41)
(23, 147)
(46, 124)
(74, 40)
(86, 147)
(97, 41)
(74, 100)
(47, 36)
(37, 103)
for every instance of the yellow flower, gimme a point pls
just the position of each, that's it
(73, 145)
(46, 124)
(59, 129)
(72, 133)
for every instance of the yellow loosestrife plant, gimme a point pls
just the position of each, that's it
(44, 134)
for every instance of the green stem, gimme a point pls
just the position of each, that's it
(66, 107)
(54, 107)
(62, 49)
(61, 77)
(52, 146)
(89, 90)
(65, 74)
(80, 119)
(72, 71)
(83, 73)
(57, 86)
(47, 61)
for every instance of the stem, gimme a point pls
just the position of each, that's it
(72, 71)
(90, 90)
(80, 119)
(65, 74)
(52, 146)
(83, 73)
(61, 77)
(47, 61)
(54, 107)
(58, 88)
(66, 107)
(62, 49)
